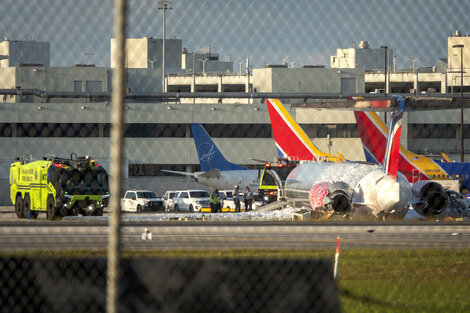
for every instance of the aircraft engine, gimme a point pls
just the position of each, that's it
(335, 196)
(433, 197)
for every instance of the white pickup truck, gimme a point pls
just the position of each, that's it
(141, 200)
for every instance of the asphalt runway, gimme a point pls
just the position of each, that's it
(19, 235)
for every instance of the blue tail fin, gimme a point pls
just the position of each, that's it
(209, 155)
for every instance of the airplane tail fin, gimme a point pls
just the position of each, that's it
(341, 157)
(291, 141)
(446, 157)
(392, 152)
(209, 155)
(374, 134)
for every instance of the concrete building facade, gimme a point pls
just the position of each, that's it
(24, 52)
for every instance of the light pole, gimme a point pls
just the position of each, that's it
(461, 101)
(87, 54)
(164, 5)
(152, 62)
(385, 67)
(417, 71)
(203, 61)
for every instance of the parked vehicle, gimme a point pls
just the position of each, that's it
(141, 200)
(226, 194)
(230, 204)
(168, 199)
(58, 187)
(191, 200)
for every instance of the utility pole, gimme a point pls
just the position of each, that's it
(461, 102)
(164, 5)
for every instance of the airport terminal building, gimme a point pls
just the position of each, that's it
(157, 134)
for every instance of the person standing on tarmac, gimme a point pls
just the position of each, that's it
(236, 198)
(248, 199)
(215, 202)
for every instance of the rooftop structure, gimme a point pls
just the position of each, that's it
(363, 57)
(24, 52)
(147, 53)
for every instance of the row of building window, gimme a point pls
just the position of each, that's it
(158, 130)
(444, 131)
(154, 130)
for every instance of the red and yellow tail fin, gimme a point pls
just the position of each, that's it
(291, 141)
(446, 157)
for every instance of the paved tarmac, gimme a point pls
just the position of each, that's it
(19, 234)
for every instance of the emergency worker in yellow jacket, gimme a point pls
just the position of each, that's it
(215, 202)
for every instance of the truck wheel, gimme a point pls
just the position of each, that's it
(34, 214)
(139, 208)
(26, 205)
(50, 209)
(176, 208)
(19, 207)
(99, 212)
(191, 208)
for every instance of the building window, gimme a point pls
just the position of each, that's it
(57, 130)
(146, 130)
(348, 85)
(149, 130)
(239, 130)
(94, 86)
(6, 129)
(444, 131)
(77, 86)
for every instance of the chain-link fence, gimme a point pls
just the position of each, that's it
(150, 106)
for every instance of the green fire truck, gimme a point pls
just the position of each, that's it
(59, 187)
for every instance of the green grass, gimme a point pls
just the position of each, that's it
(370, 280)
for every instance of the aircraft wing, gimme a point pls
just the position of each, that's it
(260, 161)
(213, 173)
(179, 173)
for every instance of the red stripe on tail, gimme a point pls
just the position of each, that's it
(394, 154)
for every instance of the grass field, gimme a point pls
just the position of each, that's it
(370, 280)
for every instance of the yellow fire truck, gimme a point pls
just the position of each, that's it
(272, 179)
(58, 186)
